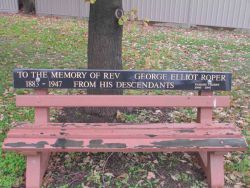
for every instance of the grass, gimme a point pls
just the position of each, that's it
(31, 42)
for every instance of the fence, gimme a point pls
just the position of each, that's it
(9, 6)
(221, 13)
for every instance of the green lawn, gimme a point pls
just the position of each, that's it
(31, 42)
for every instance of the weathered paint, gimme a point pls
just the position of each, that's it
(99, 144)
(63, 133)
(124, 143)
(186, 131)
(197, 143)
(131, 131)
(151, 135)
(66, 143)
(39, 145)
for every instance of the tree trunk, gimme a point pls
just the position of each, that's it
(28, 6)
(104, 52)
(105, 39)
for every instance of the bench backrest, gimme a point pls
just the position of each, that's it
(42, 102)
(41, 80)
(121, 101)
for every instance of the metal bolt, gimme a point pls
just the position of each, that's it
(38, 79)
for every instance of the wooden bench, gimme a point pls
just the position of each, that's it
(211, 140)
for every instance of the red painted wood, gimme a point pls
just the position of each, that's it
(204, 137)
(37, 164)
(205, 113)
(216, 170)
(43, 137)
(45, 156)
(33, 171)
(132, 125)
(120, 101)
(126, 150)
(116, 132)
(203, 160)
(41, 113)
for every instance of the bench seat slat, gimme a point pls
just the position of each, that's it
(118, 132)
(76, 138)
(128, 125)
(120, 135)
(124, 145)
(120, 101)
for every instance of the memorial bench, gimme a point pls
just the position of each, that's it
(39, 139)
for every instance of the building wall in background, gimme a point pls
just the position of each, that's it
(9, 6)
(173, 11)
(221, 13)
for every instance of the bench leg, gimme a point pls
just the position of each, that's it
(215, 170)
(35, 169)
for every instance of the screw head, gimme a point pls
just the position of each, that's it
(38, 79)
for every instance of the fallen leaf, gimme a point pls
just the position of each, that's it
(155, 161)
(119, 115)
(109, 174)
(1, 117)
(189, 172)
(158, 112)
(183, 161)
(150, 176)
(140, 182)
(174, 177)
(232, 177)
(123, 176)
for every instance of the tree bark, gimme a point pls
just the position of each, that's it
(105, 39)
